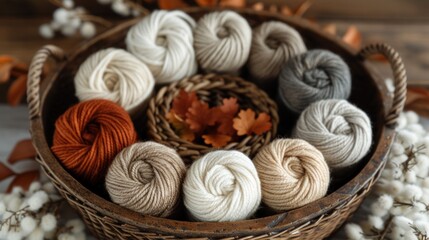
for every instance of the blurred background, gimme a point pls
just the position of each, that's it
(404, 24)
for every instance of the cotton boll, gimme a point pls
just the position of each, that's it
(61, 16)
(409, 235)
(17, 191)
(37, 200)
(12, 235)
(80, 236)
(398, 160)
(422, 226)
(397, 149)
(410, 177)
(412, 117)
(425, 197)
(397, 173)
(34, 186)
(46, 31)
(121, 8)
(2, 208)
(76, 224)
(87, 30)
(376, 222)
(418, 207)
(381, 206)
(400, 210)
(28, 224)
(402, 121)
(66, 236)
(68, 3)
(74, 22)
(411, 192)
(353, 231)
(4, 229)
(36, 234)
(419, 216)
(416, 129)
(387, 173)
(422, 165)
(68, 30)
(425, 183)
(397, 233)
(48, 222)
(49, 188)
(407, 138)
(395, 187)
(14, 204)
(402, 222)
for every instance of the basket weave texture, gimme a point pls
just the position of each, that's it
(316, 220)
(210, 88)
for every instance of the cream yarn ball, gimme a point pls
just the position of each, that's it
(341, 131)
(273, 44)
(292, 173)
(115, 75)
(163, 41)
(222, 41)
(222, 186)
(146, 177)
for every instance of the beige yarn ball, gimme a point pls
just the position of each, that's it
(222, 186)
(222, 41)
(273, 44)
(115, 75)
(293, 173)
(146, 177)
(341, 131)
(163, 41)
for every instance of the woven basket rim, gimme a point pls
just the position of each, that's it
(267, 224)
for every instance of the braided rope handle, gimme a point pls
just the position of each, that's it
(400, 78)
(35, 75)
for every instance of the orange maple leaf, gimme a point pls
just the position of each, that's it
(217, 140)
(200, 115)
(246, 123)
(183, 101)
(229, 109)
(180, 126)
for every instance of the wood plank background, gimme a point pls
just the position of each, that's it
(404, 24)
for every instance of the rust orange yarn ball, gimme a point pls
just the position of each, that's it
(88, 136)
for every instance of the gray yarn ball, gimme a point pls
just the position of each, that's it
(312, 76)
(340, 130)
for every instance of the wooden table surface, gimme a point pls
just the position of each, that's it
(20, 38)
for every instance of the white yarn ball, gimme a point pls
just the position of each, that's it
(222, 186)
(222, 41)
(116, 75)
(163, 41)
(341, 131)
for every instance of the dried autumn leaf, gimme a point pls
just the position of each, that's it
(23, 150)
(171, 4)
(285, 10)
(5, 70)
(5, 172)
(259, 6)
(246, 123)
(180, 127)
(183, 101)
(216, 140)
(23, 180)
(232, 3)
(353, 37)
(6, 59)
(418, 100)
(330, 28)
(199, 116)
(303, 7)
(17, 90)
(229, 109)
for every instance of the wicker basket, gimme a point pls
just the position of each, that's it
(210, 88)
(317, 220)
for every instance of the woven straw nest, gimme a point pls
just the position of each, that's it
(212, 89)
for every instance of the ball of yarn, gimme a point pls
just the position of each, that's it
(115, 75)
(222, 186)
(341, 131)
(292, 173)
(273, 44)
(222, 41)
(146, 177)
(88, 136)
(313, 76)
(163, 41)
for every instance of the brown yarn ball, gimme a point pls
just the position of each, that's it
(88, 136)
(146, 177)
(292, 173)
